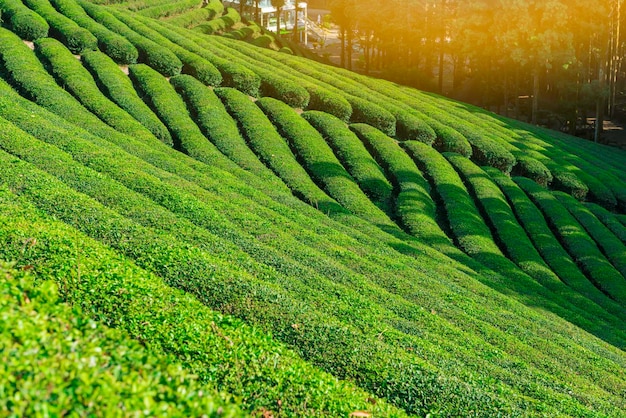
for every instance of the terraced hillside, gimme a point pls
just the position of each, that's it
(190, 224)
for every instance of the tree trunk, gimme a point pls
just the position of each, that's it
(349, 47)
(296, 39)
(343, 47)
(256, 11)
(279, 11)
(535, 95)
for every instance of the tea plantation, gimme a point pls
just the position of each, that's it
(192, 225)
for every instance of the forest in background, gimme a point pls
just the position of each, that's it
(552, 62)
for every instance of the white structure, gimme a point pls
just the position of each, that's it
(267, 15)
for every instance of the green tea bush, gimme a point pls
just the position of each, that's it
(77, 39)
(319, 160)
(262, 41)
(410, 127)
(286, 50)
(193, 17)
(369, 113)
(577, 242)
(533, 169)
(68, 362)
(24, 22)
(209, 113)
(169, 9)
(193, 64)
(117, 86)
(568, 182)
(449, 140)
(160, 58)
(112, 44)
(609, 220)
(220, 24)
(609, 244)
(354, 157)
(233, 74)
(272, 150)
(533, 221)
(77, 80)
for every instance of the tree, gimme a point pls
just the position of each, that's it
(278, 5)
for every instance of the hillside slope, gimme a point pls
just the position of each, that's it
(293, 239)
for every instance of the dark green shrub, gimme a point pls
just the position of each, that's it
(233, 74)
(283, 89)
(209, 113)
(193, 64)
(268, 145)
(319, 160)
(262, 41)
(449, 140)
(411, 128)
(609, 244)
(327, 101)
(24, 22)
(112, 44)
(77, 39)
(354, 157)
(577, 242)
(533, 221)
(193, 17)
(77, 80)
(568, 182)
(367, 112)
(533, 169)
(171, 8)
(286, 50)
(118, 87)
(609, 219)
(160, 58)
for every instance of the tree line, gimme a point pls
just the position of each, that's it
(549, 61)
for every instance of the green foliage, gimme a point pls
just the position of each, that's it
(209, 113)
(319, 160)
(262, 41)
(233, 74)
(608, 243)
(219, 24)
(77, 80)
(24, 22)
(170, 8)
(533, 221)
(160, 58)
(581, 247)
(272, 150)
(193, 64)
(533, 169)
(112, 44)
(118, 87)
(76, 39)
(370, 113)
(610, 220)
(286, 50)
(569, 183)
(354, 157)
(62, 360)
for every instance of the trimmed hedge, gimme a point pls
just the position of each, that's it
(329, 102)
(577, 242)
(160, 58)
(413, 205)
(193, 64)
(319, 160)
(268, 145)
(24, 22)
(364, 111)
(568, 182)
(263, 41)
(611, 246)
(233, 74)
(449, 140)
(354, 157)
(533, 169)
(77, 80)
(610, 220)
(68, 362)
(533, 221)
(195, 16)
(219, 24)
(209, 113)
(77, 39)
(117, 86)
(112, 44)
(170, 8)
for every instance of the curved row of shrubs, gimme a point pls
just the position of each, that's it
(170, 8)
(195, 16)
(156, 56)
(117, 86)
(233, 74)
(24, 22)
(577, 242)
(112, 44)
(609, 220)
(609, 244)
(414, 207)
(219, 24)
(193, 64)
(55, 345)
(272, 150)
(354, 157)
(212, 118)
(533, 221)
(318, 159)
(77, 80)
(77, 39)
